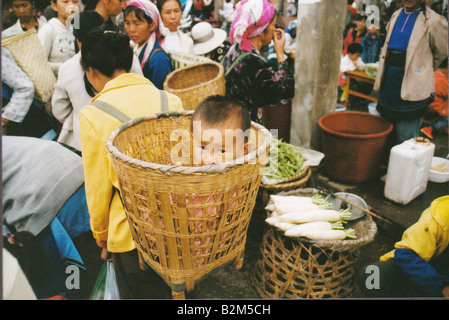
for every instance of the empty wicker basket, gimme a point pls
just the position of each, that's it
(302, 268)
(186, 221)
(196, 82)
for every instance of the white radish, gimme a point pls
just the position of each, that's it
(282, 208)
(275, 222)
(308, 216)
(295, 199)
(320, 234)
(299, 229)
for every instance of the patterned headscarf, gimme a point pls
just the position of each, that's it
(251, 18)
(152, 12)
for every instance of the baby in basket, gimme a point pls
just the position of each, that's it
(220, 132)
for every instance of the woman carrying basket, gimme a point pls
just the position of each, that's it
(130, 95)
(249, 77)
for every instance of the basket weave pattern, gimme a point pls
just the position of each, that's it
(186, 221)
(195, 83)
(302, 268)
(30, 57)
(180, 60)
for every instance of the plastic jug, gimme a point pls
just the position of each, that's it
(408, 170)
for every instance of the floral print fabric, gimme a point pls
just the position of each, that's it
(256, 82)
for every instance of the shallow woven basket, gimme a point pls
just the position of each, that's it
(195, 83)
(186, 221)
(180, 60)
(301, 268)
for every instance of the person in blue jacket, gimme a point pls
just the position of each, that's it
(142, 24)
(418, 266)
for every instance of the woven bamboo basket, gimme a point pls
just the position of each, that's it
(29, 54)
(301, 268)
(186, 221)
(181, 60)
(195, 83)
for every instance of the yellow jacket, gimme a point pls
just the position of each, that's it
(428, 237)
(135, 96)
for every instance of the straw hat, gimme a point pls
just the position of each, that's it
(206, 38)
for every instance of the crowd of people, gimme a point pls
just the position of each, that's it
(115, 55)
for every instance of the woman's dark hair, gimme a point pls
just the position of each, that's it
(140, 14)
(84, 22)
(160, 4)
(90, 4)
(106, 51)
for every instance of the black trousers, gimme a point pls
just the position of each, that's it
(134, 283)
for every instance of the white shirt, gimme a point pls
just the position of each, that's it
(172, 42)
(58, 42)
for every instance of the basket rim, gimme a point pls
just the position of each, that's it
(15, 37)
(213, 168)
(172, 74)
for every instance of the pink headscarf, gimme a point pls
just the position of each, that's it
(152, 12)
(251, 18)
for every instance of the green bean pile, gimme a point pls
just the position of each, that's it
(285, 160)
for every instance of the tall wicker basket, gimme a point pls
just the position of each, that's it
(301, 268)
(196, 82)
(186, 221)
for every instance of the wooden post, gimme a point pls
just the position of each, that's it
(319, 44)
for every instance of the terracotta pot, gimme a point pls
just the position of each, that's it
(353, 144)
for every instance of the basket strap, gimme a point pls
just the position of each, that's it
(235, 62)
(114, 112)
(164, 102)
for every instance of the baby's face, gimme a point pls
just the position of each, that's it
(213, 144)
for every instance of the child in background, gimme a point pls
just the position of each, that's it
(440, 104)
(371, 44)
(57, 36)
(350, 62)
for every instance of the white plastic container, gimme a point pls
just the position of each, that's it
(408, 170)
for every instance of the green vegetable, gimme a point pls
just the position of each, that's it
(285, 160)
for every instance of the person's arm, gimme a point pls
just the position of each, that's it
(96, 171)
(60, 102)
(420, 243)
(22, 89)
(438, 40)
(421, 272)
(275, 84)
(279, 40)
